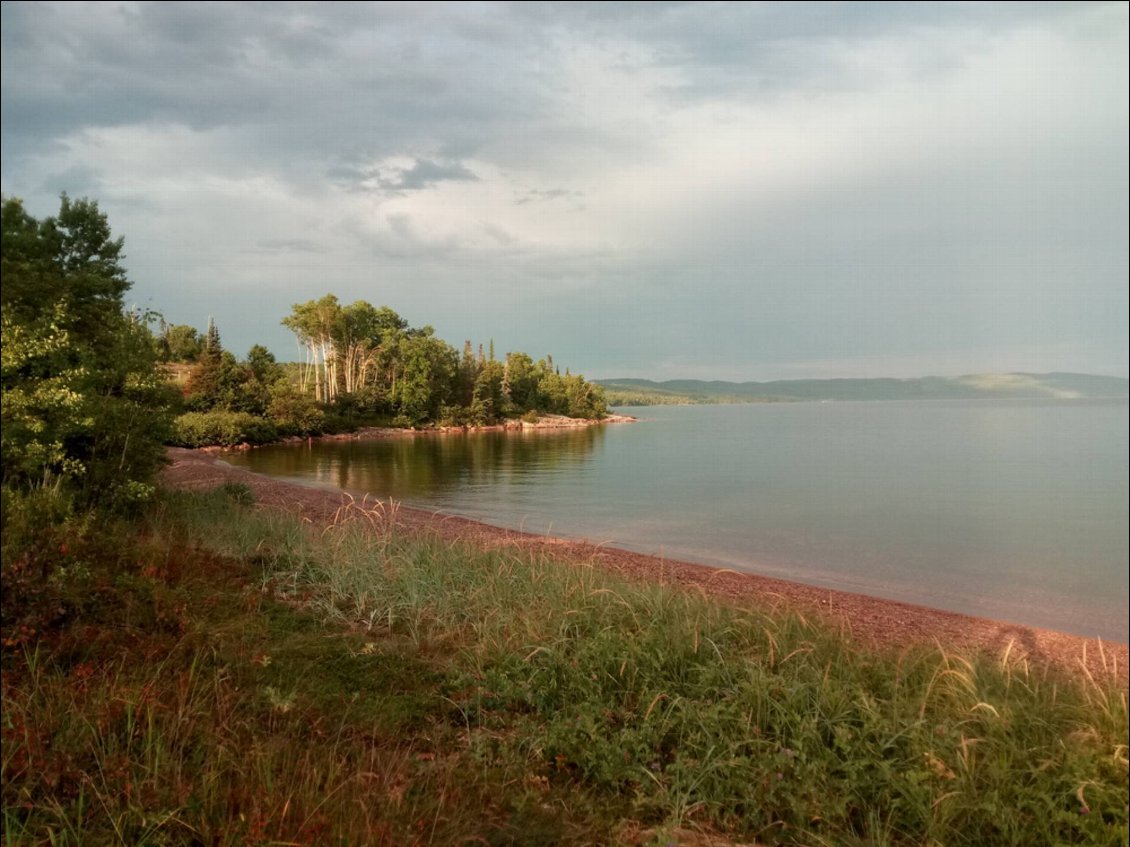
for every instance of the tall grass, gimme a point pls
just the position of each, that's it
(396, 688)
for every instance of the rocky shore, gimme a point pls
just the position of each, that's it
(543, 422)
(511, 425)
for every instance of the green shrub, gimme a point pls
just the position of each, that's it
(205, 429)
(452, 415)
(295, 413)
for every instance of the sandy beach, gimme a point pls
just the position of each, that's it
(885, 623)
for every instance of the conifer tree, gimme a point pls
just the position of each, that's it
(212, 345)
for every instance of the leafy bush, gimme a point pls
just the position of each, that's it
(451, 415)
(294, 413)
(223, 429)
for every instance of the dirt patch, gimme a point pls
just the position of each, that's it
(882, 622)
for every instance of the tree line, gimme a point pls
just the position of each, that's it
(362, 363)
(371, 356)
(88, 391)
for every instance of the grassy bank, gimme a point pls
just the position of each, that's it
(218, 675)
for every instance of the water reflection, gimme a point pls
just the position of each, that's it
(428, 466)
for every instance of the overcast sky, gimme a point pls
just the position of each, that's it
(748, 191)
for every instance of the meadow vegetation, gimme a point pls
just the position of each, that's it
(231, 676)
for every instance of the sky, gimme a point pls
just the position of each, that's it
(743, 191)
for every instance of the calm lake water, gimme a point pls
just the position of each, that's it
(1014, 510)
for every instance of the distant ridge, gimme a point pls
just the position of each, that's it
(1065, 386)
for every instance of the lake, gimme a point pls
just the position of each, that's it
(1013, 510)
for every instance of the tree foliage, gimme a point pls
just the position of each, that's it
(178, 343)
(367, 359)
(83, 404)
(365, 365)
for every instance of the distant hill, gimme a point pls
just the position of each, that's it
(645, 392)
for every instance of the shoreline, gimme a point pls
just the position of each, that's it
(544, 422)
(889, 624)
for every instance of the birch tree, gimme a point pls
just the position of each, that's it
(315, 323)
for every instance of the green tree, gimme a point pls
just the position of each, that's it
(488, 400)
(264, 367)
(522, 379)
(358, 334)
(260, 374)
(83, 403)
(468, 375)
(429, 366)
(220, 382)
(552, 396)
(68, 257)
(212, 345)
(179, 343)
(584, 399)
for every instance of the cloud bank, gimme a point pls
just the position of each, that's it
(738, 191)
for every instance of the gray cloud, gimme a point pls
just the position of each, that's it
(743, 190)
(288, 245)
